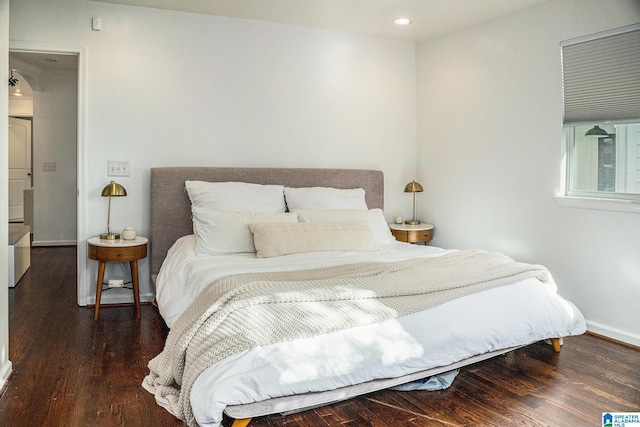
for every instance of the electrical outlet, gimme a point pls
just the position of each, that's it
(116, 282)
(117, 168)
(48, 166)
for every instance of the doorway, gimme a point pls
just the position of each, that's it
(79, 54)
(50, 115)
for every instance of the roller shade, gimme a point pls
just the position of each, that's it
(601, 77)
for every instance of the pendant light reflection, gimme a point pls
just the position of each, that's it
(596, 132)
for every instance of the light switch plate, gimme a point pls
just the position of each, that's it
(48, 166)
(117, 168)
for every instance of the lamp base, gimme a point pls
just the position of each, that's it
(412, 222)
(109, 236)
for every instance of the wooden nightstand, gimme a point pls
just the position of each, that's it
(421, 233)
(105, 251)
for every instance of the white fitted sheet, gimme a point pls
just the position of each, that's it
(184, 274)
(503, 317)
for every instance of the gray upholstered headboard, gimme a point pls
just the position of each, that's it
(171, 208)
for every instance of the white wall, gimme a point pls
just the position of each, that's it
(54, 140)
(20, 107)
(166, 88)
(5, 364)
(489, 156)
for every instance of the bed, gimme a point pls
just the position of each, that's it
(328, 317)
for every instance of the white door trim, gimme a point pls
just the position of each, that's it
(81, 226)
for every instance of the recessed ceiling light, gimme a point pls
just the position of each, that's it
(402, 21)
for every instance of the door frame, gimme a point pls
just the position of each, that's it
(81, 201)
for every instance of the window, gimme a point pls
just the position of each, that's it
(605, 165)
(601, 123)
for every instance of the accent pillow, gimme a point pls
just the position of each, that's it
(219, 232)
(374, 218)
(273, 239)
(324, 198)
(236, 196)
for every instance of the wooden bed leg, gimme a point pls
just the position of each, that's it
(557, 346)
(241, 422)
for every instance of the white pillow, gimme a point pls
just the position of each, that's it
(324, 198)
(219, 232)
(277, 239)
(373, 217)
(236, 196)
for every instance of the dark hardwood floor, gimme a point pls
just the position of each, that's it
(72, 371)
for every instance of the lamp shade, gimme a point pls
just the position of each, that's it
(413, 187)
(113, 189)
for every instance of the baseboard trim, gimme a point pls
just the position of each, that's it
(5, 373)
(54, 243)
(614, 333)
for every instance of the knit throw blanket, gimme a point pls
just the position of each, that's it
(239, 312)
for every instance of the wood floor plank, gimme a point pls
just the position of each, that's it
(72, 371)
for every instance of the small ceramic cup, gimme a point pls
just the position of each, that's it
(129, 233)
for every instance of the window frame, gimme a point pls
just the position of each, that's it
(568, 136)
(571, 197)
(600, 200)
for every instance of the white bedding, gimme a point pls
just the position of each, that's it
(503, 317)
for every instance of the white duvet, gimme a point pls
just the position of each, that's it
(502, 317)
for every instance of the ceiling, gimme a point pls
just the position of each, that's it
(431, 18)
(28, 68)
(43, 61)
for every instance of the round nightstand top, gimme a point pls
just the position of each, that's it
(119, 243)
(406, 227)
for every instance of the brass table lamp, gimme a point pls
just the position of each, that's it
(112, 189)
(413, 187)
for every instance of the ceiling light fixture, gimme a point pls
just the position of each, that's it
(14, 87)
(13, 82)
(402, 21)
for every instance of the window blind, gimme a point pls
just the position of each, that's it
(601, 77)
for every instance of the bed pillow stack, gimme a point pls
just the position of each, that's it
(222, 211)
(240, 217)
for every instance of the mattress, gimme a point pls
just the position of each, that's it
(496, 319)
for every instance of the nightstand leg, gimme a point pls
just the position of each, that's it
(101, 266)
(136, 289)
